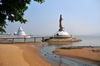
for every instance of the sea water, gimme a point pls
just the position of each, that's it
(47, 51)
(88, 40)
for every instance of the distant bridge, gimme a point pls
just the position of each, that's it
(22, 37)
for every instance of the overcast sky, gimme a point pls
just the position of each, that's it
(80, 17)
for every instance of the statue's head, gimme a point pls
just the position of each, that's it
(60, 15)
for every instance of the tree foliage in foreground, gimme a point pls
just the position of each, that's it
(13, 11)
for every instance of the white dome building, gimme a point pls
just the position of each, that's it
(61, 33)
(21, 31)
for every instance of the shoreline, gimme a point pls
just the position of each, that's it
(21, 54)
(26, 54)
(85, 54)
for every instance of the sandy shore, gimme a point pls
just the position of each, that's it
(21, 54)
(91, 55)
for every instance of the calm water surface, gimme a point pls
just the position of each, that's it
(87, 41)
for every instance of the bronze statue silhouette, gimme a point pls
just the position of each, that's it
(60, 24)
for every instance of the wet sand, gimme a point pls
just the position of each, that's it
(91, 55)
(21, 54)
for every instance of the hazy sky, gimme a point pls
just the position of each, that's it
(81, 17)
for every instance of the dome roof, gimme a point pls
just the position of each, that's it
(61, 33)
(21, 31)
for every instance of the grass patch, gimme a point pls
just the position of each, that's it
(71, 48)
(65, 48)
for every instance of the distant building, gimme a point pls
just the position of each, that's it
(20, 31)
